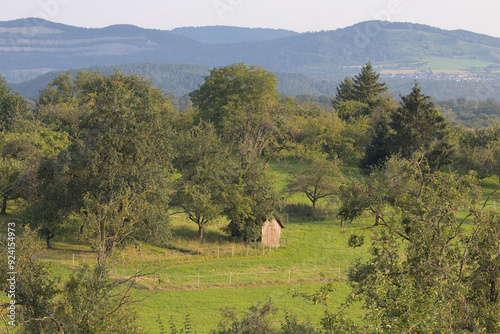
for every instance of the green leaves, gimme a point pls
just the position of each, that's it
(427, 272)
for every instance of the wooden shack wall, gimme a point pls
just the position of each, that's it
(271, 233)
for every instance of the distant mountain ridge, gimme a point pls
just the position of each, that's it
(227, 35)
(30, 47)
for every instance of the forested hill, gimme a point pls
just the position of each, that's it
(224, 34)
(181, 79)
(30, 47)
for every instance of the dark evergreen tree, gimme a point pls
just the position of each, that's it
(379, 148)
(417, 126)
(345, 92)
(366, 87)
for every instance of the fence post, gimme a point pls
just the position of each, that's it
(230, 277)
(289, 275)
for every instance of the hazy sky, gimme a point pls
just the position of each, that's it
(482, 16)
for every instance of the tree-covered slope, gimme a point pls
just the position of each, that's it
(31, 47)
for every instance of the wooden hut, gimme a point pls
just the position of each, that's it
(271, 232)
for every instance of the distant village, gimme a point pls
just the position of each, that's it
(458, 77)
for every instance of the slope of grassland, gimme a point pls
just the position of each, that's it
(200, 279)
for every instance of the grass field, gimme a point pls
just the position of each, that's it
(200, 279)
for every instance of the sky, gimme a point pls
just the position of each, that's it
(481, 16)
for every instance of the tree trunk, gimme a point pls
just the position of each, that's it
(200, 233)
(49, 235)
(314, 203)
(342, 222)
(377, 220)
(4, 206)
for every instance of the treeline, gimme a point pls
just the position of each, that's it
(105, 157)
(471, 113)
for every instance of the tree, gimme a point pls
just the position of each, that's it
(230, 93)
(13, 106)
(240, 102)
(88, 302)
(365, 86)
(35, 288)
(251, 201)
(122, 144)
(208, 171)
(479, 151)
(345, 92)
(415, 128)
(428, 272)
(319, 179)
(419, 127)
(10, 173)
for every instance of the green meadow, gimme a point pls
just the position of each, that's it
(194, 280)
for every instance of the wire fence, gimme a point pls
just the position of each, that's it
(167, 280)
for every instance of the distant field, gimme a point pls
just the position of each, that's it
(458, 64)
(440, 65)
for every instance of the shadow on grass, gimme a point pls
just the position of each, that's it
(210, 236)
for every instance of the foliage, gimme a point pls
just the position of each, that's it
(251, 202)
(255, 321)
(424, 275)
(345, 92)
(208, 173)
(479, 151)
(319, 179)
(93, 303)
(13, 107)
(35, 289)
(240, 102)
(365, 86)
(415, 128)
(120, 146)
(10, 172)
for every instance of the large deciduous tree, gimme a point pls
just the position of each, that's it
(121, 144)
(240, 101)
(242, 104)
(434, 255)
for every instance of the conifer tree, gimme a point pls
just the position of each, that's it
(344, 92)
(366, 88)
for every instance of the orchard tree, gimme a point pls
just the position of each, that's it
(251, 201)
(479, 151)
(318, 179)
(434, 255)
(208, 172)
(123, 146)
(10, 175)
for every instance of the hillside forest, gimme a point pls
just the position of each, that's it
(108, 159)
